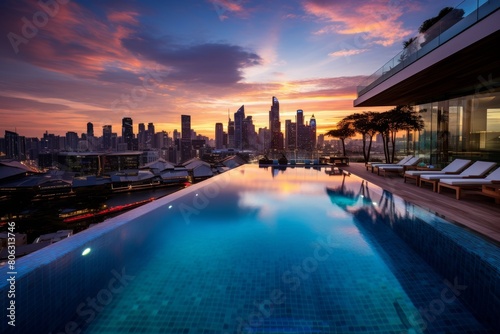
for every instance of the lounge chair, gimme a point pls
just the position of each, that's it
(469, 183)
(398, 169)
(476, 170)
(372, 166)
(454, 167)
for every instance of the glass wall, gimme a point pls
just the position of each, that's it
(467, 127)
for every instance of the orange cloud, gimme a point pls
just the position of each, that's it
(225, 7)
(123, 17)
(76, 42)
(377, 21)
(347, 53)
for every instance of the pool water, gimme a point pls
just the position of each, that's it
(263, 250)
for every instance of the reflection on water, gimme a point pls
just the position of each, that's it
(262, 231)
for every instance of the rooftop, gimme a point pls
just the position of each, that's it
(449, 67)
(476, 212)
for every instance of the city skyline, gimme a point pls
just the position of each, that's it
(127, 124)
(83, 62)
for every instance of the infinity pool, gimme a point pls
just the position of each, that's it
(264, 250)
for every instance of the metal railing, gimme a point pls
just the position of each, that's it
(439, 33)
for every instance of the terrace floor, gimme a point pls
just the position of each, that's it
(474, 211)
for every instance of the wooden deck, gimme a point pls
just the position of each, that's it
(475, 211)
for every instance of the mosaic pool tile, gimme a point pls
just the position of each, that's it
(293, 252)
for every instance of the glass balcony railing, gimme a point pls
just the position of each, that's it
(466, 14)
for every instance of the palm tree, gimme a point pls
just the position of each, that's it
(409, 47)
(342, 132)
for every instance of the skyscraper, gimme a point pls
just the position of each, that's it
(219, 135)
(249, 134)
(303, 135)
(150, 136)
(128, 133)
(12, 145)
(290, 135)
(90, 130)
(239, 116)
(230, 134)
(141, 136)
(300, 117)
(71, 141)
(185, 126)
(312, 125)
(185, 141)
(275, 125)
(106, 137)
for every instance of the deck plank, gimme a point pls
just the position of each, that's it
(477, 212)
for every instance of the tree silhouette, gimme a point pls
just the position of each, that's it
(389, 123)
(343, 131)
(364, 124)
(433, 27)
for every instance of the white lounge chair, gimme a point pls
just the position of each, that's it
(477, 169)
(400, 168)
(469, 183)
(454, 167)
(372, 166)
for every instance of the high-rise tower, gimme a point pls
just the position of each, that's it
(185, 141)
(185, 126)
(275, 125)
(312, 124)
(106, 137)
(219, 135)
(128, 133)
(239, 117)
(141, 136)
(90, 129)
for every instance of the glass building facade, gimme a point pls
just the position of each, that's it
(465, 127)
(452, 81)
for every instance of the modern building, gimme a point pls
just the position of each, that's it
(239, 129)
(71, 141)
(230, 133)
(141, 136)
(121, 161)
(303, 132)
(185, 141)
(264, 138)
(453, 81)
(87, 163)
(160, 140)
(290, 135)
(49, 142)
(13, 146)
(219, 135)
(106, 137)
(150, 134)
(312, 125)
(128, 133)
(185, 126)
(275, 125)
(90, 130)
(249, 134)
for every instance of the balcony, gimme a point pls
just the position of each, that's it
(448, 66)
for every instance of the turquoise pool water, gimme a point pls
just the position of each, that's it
(285, 251)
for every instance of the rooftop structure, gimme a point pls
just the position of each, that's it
(452, 80)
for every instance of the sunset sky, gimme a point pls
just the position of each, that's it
(99, 61)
